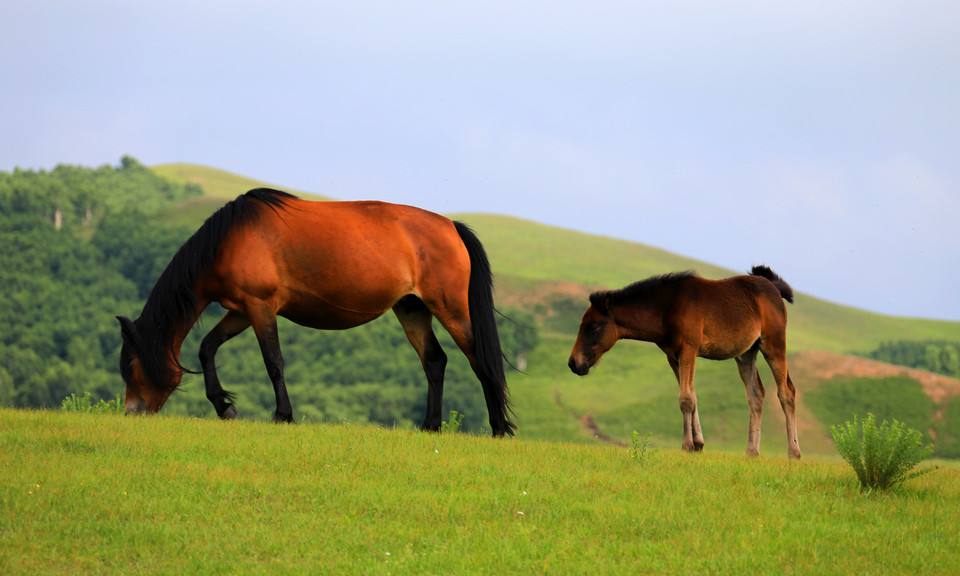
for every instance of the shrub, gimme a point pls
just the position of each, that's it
(882, 455)
(84, 403)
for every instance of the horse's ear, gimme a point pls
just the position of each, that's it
(601, 301)
(127, 328)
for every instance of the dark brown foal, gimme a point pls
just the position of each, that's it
(688, 316)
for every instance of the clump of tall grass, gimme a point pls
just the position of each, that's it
(882, 455)
(452, 426)
(639, 447)
(84, 403)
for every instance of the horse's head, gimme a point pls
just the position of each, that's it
(598, 333)
(143, 393)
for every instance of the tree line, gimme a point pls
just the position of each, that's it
(940, 356)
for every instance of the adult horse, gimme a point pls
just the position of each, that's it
(688, 316)
(325, 265)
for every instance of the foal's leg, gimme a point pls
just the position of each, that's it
(264, 323)
(228, 327)
(688, 398)
(747, 364)
(698, 441)
(775, 353)
(417, 322)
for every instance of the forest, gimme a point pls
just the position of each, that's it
(940, 356)
(82, 245)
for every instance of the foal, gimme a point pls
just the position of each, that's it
(688, 316)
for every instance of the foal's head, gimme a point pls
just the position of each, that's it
(149, 384)
(598, 333)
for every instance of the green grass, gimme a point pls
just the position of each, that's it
(90, 493)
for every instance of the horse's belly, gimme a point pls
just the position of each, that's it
(315, 313)
(731, 346)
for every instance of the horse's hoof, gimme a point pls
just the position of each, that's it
(794, 455)
(283, 418)
(698, 446)
(229, 413)
(752, 453)
(689, 447)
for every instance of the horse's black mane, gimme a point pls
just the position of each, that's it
(640, 289)
(172, 302)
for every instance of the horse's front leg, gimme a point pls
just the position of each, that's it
(264, 323)
(228, 327)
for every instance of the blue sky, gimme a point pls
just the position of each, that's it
(822, 138)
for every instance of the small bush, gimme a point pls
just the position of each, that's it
(84, 403)
(639, 447)
(882, 455)
(453, 424)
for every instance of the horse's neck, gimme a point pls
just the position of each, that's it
(640, 322)
(178, 334)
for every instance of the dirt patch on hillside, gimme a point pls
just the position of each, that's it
(814, 366)
(513, 293)
(587, 423)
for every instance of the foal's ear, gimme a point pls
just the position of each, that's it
(127, 328)
(601, 301)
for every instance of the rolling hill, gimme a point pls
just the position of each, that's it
(550, 271)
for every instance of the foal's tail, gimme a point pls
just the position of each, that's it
(488, 357)
(764, 271)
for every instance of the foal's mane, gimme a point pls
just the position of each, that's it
(172, 302)
(641, 289)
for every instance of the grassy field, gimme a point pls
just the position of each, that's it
(86, 494)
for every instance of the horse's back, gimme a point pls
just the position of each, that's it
(730, 314)
(336, 264)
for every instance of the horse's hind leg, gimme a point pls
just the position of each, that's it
(775, 352)
(417, 321)
(747, 364)
(697, 432)
(686, 365)
(264, 323)
(228, 327)
(459, 327)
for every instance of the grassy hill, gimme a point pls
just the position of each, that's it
(550, 271)
(89, 494)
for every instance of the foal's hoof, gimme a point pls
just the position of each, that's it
(697, 446)
(229, 413)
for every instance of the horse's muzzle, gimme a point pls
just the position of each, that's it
(135, 406)
(578, 369)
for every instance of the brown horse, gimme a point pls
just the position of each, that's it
(325, 265)
(688, 316)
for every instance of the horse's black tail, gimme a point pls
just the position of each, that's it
(785, 290)
(488, 358)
